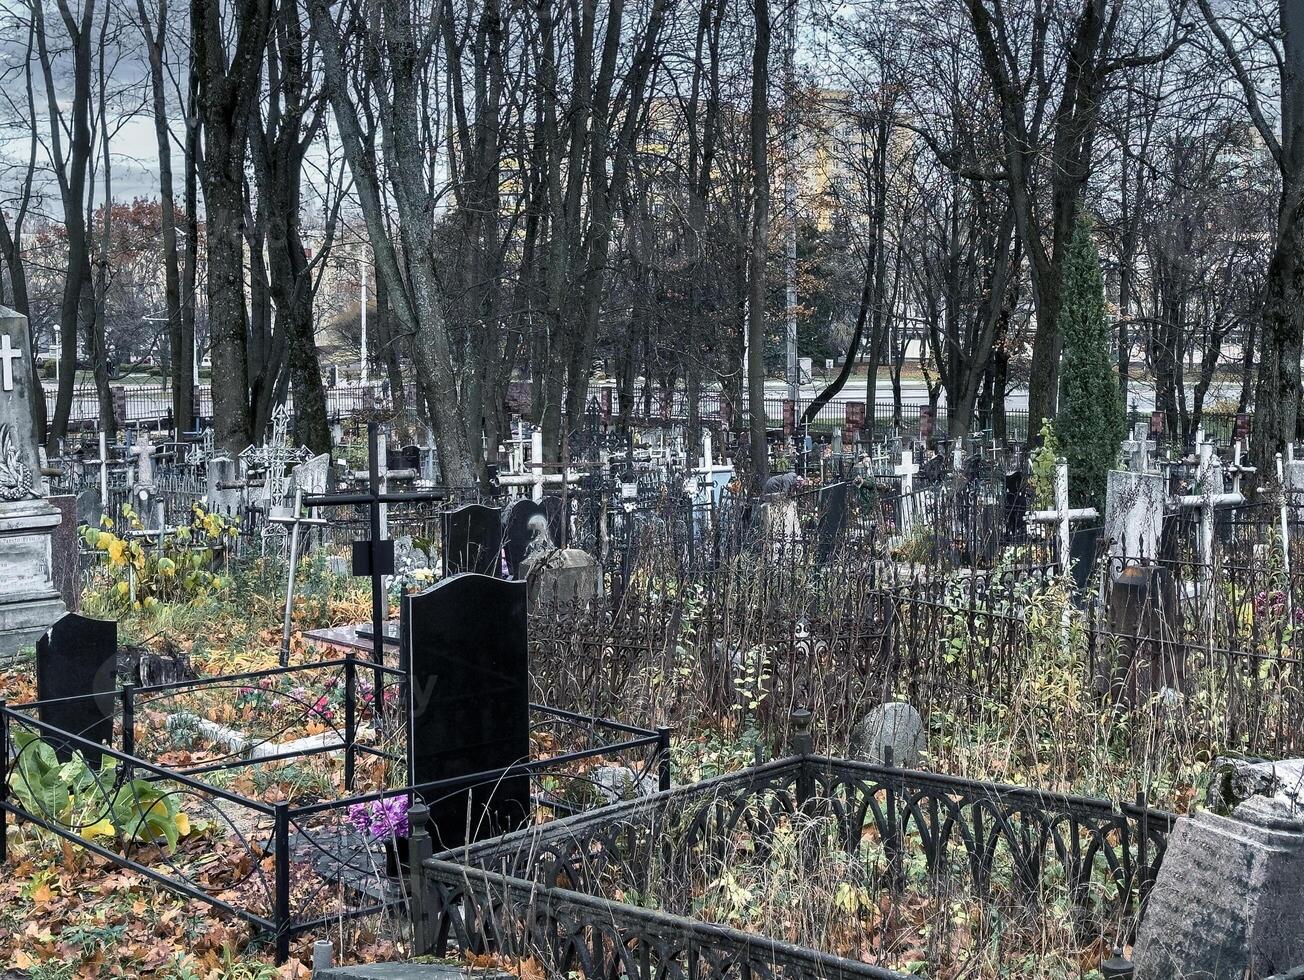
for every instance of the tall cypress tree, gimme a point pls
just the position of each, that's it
(1092, 418)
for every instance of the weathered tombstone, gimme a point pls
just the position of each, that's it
(517, 533)
(29, 600)
(464, 643)
(312, 477)
(76, 668)
(65, 560)
(832, 521)
(559, 577)
(408, 557)
(896, 726)
(225, 493)
(1134, 514)
(472, 539)
(1228, 901)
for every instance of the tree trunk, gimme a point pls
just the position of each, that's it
(760, 127)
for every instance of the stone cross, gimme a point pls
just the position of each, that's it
(1063, 516)
(8, 354)
(1239, 469)
(1137, 450)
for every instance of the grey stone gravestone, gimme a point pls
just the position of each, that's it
(562, 576)
(1228, 900)
(76, 667)
(1134, 514)
(472, 539)
(464, 643)
(223, 496)
(29, 601)
(518, 535)
(894, 725)
(65, 560)
(312, 477)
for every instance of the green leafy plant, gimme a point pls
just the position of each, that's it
(93, 802)
(140, 575)
(1042, 463)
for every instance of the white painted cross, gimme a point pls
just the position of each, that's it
(1209, 496)
(8, 354)
(1239, 469)
(907, 469)
(1063, 516)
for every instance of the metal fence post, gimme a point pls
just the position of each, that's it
(802, 745)
(350, 715)
(4, 782)
(420, 848)
(128, 721)
(1143, 849)
(663, 758)
(281, 913)
(892, 843)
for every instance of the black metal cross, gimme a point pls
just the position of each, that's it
(374, 556)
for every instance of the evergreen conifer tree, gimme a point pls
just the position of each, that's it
(1092, 419)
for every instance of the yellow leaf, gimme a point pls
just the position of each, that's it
(183, 824)
(101, 828)
(42, 895)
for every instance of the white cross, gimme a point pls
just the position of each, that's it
(1063, 516)
(907, 469)
(1209, 496)
(8, 354)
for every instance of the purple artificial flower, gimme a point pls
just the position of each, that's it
(381, 819)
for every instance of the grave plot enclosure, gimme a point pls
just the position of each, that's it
(803, 867)
(244, 791)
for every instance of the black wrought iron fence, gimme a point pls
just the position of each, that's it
(620, 890)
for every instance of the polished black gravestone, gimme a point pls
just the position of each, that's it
(555, 507)
(517, 532)
(76, 668)
(832, 521)
(464, 642)
(473, 540)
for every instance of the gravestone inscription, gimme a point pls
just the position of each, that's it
(464, 643)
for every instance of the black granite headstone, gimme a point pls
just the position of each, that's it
(555, 508)
(406, 458)
(473, 540)
(517, 533)
(832, 520)
(76, 668)
(464, 641)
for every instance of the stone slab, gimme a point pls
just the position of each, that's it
(1229, 897)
